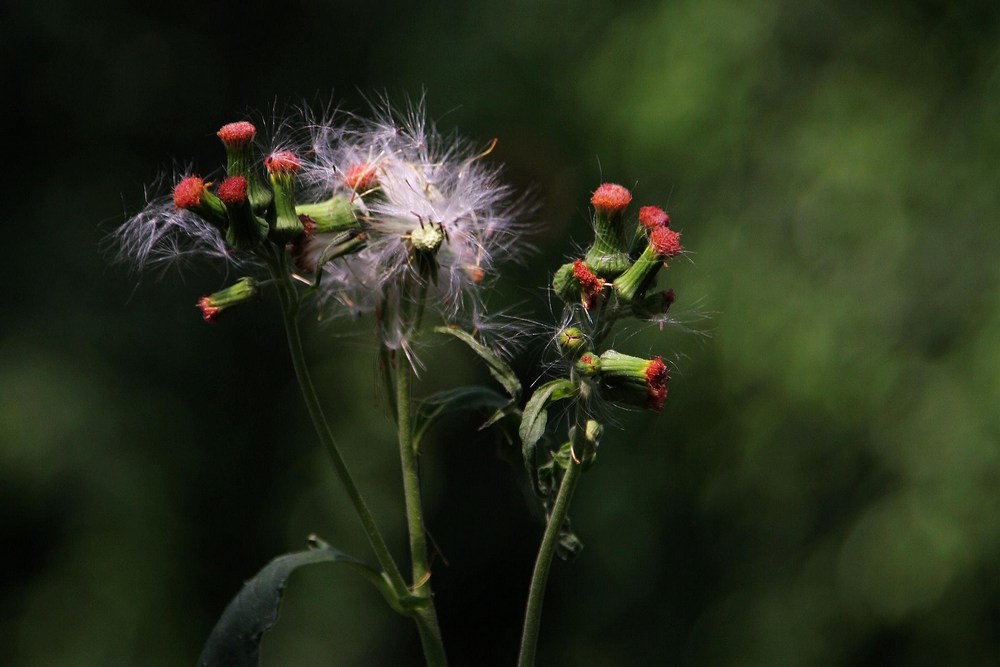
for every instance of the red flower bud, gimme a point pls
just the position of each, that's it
(211, 306)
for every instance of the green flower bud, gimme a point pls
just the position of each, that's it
(633, 284)
(608, 256)
(576, 282)
(333, 215)
(212, 306)
(571, 340)
(588, 365)
(633, 380)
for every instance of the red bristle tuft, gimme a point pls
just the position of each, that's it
(282, 162)
(652, 217)
(232, 191)
(237, 134)
(656, 381)
(187, 193)
(610, 198)
(666, 242)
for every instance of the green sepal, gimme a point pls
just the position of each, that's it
(499, 369)
(235, 640)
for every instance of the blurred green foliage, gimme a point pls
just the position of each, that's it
(823, 486)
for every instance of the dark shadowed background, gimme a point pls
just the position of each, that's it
(823, 486)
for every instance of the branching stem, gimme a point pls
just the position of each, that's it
(540, 576)
(426, 618)
(290, 307)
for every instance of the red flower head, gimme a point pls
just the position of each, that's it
(282, 162)
(610, 198)
(235, 135)
(187, 193)
(656, 383)
(209, 311)
(666, 242)
(360, 177)
(232, 191)
(652, 217)
(590, 284)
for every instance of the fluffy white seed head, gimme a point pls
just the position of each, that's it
(162, 235)
(427, 193)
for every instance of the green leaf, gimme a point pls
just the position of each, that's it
(536, 416)
(499, 368)
(472, 397)
(235, 640)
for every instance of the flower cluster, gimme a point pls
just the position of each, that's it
(616, 279)
(382, 215)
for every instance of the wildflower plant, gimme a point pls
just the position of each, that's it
(388, 217)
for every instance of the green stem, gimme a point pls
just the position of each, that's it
(290, 307)
(426, 616)
(536, 592)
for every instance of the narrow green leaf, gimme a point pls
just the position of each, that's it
(471, 397)
(497, 415)
(235, 640)
(536, 416)
(498, 368)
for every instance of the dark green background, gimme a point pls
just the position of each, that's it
(823, 485)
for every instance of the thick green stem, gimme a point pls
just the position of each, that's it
(536, 593)
(289, 307)
(426, 617)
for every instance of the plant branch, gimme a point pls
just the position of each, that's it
(540, 576)
(290, 306)
(426, 618)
